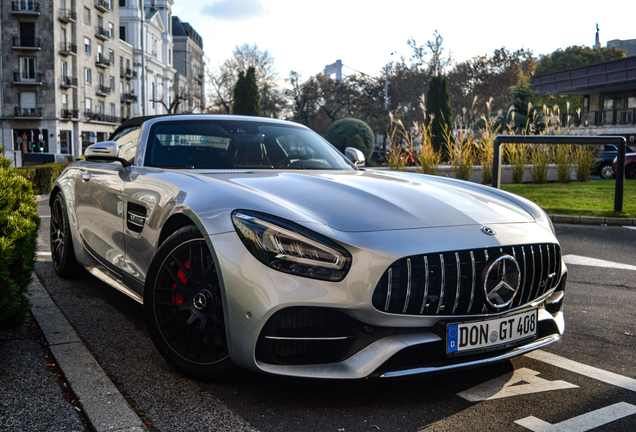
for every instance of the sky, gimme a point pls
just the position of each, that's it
(304, 35)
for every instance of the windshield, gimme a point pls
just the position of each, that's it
(239, 144)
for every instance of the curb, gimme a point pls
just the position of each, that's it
(104, 407)
(593, 220)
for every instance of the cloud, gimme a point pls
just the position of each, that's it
(235, 10)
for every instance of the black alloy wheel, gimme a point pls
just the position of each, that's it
(184, 310)
(62, 253)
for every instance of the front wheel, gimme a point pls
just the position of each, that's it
(183, 307)
(605, 171)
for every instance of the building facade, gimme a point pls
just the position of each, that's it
(60, 77)
(72, 70)
(149, 32)
(609, 97)
(188, 61)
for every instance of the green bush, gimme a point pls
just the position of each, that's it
(342, 134)
(42, 177)
(19, 225)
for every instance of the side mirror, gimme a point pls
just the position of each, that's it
(105, 151)
(355, 156)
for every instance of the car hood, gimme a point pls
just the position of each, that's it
(379, 200)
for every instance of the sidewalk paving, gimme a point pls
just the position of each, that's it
(32, 399)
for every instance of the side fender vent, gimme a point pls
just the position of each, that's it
(135, 217)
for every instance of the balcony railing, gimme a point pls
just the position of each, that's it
(103, 90)
(66, 113)
(25, 7)
(68, 16)
(102, 33)
(28, 112)
(30, 43)
(128, 97)
(19, 79)
(622, 116)
(68, 48)
(91, 115)
(103, 5)
(68, 82)
(102, 61)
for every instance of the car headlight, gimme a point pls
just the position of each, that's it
(290, 248)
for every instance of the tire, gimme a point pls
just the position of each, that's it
(183, 307)
(62, 252)
(605, 171)
(630, 172)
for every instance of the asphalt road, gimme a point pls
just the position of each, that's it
(600, 332)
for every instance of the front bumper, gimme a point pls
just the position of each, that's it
(401, 344)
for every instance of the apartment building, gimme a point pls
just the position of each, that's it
(188, 60)
(60, 77)
(72, 70)
(149, 32)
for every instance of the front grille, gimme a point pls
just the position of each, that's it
(451, 283)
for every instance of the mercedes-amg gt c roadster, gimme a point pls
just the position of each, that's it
(253, 242)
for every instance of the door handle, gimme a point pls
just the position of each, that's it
(86, 176)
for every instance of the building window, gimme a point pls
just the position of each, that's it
(27, 34)
(27, 102)
(122, 33)
(64, 101)
(65, 141)
(86, 136)
(100, 22)
(87, 45)
(169, 56)
(111, 56)
(101, 107)
(26, 5)
(88, 78)
(100, 80)
(153, 96)
(112, 110)
(111, 30)
(112, 83)
(87, 16)
(122, 3)
(27, 69)
(127, 88)
(121, 87)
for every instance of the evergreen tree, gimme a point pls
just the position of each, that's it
(438, 105)
(246, 97)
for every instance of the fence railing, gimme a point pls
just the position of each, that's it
(620, 142)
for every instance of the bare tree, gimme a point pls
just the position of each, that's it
(223, 78)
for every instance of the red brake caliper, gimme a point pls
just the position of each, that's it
(178, 298)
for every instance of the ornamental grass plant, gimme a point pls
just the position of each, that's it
(540, 160)
(583, 157)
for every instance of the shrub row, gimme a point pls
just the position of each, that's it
(19, 226)
(42, 177)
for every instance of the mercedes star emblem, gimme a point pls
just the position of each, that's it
(502, 281)
(487, 230)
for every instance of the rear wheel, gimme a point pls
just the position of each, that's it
(62, 252)
(183, 307)
(630, 172)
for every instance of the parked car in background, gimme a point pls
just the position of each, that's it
(603, 163)
(254, 242)
(630, 166)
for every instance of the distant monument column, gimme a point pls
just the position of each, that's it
(335, 68)
(597, 44)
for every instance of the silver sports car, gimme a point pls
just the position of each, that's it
(254, 242)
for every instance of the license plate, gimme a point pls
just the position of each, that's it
(489, 334)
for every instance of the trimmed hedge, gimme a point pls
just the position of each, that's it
(351, 132)
(19, 226)
(42, 177)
